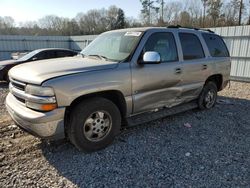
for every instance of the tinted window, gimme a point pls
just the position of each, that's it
(50, 54)
(64, 53)
(164, 44)
(45, 55)
(216, 45)
(191, 46)
(40, 55)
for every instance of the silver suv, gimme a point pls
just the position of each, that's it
(124, 77)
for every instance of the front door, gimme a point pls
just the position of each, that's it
(157, 85)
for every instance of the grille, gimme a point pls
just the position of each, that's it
(18, 86)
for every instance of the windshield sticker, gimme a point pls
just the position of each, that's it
(135, 34)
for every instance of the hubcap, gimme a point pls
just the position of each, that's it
(210, 99)
(97, 126)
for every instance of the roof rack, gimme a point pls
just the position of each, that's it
(179, 26)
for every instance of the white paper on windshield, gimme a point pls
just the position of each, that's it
(133, 33)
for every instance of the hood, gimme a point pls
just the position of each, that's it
(8, 62)
(39, 71)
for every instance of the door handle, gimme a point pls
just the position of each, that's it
(204, 67)
(177, 70)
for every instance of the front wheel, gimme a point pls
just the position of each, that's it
(208, 96)
(94, 123)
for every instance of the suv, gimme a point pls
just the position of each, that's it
(124, 77)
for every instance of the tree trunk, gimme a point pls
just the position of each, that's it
(240, 12)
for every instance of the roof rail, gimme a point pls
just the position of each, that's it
(179, 26)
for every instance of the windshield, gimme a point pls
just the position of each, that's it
(114, 46)
(28, 56)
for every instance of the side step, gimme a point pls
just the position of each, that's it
(151, 116)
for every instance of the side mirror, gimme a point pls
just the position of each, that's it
(151, 57)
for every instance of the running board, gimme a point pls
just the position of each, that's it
(151, 116)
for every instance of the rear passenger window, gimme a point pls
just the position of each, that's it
(191, 46)
(62, 53)
(216, 45)
(164, 44)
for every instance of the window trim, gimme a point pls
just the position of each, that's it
(176, 49)
(203, 51)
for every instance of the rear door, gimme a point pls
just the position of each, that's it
(156, 85)
(195, 66)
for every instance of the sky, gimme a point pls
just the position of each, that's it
(32, 10)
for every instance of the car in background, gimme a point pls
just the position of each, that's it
(40, 54)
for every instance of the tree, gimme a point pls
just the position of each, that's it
(7, 25)
(204, 2)
(185, 19)
(132, 22)
(147, 7)
(241, 7)
(116, 18)
(248, 21)
(214, 10)
(195, 12)
(171, 12)
(120, 22)
(161, 3)
(233, 12)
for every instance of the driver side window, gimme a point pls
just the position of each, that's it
(164, 44)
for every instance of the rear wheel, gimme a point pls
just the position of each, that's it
(94, 123)
(208, 96)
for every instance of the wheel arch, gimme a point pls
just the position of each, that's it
(217, 79)
(113, 95)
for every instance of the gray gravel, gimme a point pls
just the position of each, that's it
(213, 152)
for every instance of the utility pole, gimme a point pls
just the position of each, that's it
(240, 12)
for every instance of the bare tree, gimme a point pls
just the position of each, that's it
(149, 11)
(172, 11)
(161, 7)
(240, 10)
(214, 10)
(204, 2)
(185, 19)
(248, 22)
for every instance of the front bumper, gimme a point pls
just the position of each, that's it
(48, 125)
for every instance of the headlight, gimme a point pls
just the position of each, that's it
(40, 98)
(39, 91)
(2, 67)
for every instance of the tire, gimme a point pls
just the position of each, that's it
(208, 96)
(93, 124)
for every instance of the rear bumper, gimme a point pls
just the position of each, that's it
(48, 125)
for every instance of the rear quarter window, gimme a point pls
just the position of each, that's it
(216, 45)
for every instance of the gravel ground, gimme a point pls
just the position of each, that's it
(192, 149)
